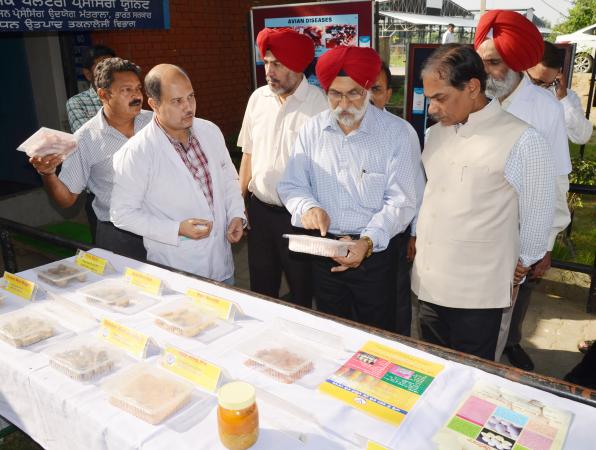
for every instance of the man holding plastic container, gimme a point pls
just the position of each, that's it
(352, 177)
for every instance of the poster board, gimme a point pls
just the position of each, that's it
(328, 23)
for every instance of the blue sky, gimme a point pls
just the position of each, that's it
(541, 6)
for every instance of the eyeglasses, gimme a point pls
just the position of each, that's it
(542, 84)
(352, 96)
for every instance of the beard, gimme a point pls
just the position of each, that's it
(285, 86)
(350, 116)
(502, 88)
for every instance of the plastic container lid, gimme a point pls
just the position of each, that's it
(37, 144)
(236, 395)
(117, 295)
(60, 274)
(23, 328)
(319, 246)
(184, 318)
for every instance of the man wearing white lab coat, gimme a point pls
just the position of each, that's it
(175, 184)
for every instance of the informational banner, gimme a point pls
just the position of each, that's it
(82, 15)
(328, 24)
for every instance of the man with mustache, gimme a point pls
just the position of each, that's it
(90, 166)
(352, 176)
(175, 184)
(509, 44)
(274, 115)
(487, 207)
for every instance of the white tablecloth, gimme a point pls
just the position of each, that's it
(61, 414)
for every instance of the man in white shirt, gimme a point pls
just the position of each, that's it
(508, 44)
(449, 35)
(352, 177)
(380, 93)
(274, 115)
(487, 206)
(548, 74)
(175, 184)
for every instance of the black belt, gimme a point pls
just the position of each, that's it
(275, 208)
(354, 237)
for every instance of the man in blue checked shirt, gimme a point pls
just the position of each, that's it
(352, 176)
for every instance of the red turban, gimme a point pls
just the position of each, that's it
(517, 40)
(361, 64)
(292, 49)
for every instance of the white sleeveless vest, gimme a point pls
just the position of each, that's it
(468, 226)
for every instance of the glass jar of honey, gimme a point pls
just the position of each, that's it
(237, 415)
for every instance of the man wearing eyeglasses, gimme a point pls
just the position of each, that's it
(548, 74)
(352, 176)
(509, 44)
(274, 115)
(90, 166)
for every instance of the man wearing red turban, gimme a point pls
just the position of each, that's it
(352, 176)
(273, 117)
(509, 44)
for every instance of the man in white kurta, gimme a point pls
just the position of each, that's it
(509, 44)
(175, 184)
(487, 206)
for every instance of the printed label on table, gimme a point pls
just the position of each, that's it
(19, 286)
(125, 338)
(370, 445)
(147, 283)
(224, 308)
(92, 262)
(194, 369)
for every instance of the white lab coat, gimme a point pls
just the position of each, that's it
(154, 191)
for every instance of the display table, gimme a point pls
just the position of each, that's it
(62, 414)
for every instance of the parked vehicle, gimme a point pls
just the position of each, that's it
(585, 47)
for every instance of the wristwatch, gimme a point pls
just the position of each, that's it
(370, 245)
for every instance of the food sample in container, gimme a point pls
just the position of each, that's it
(62, 274)
(184, 318)
(117, 295)
(302, 243)
(237, 415)
(22, 328)
(147, 392)
(83, 360)
(280, 363)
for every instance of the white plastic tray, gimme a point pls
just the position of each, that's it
(303, 243)
(117, 296)
(54, 142)
(184, 318)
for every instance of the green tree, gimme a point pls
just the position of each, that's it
(581, 14)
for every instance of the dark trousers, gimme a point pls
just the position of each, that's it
(91, 217)
(119, 241)
(365, 294)
(403, 304)
(268, 254)
(472, 331)
(519, 313)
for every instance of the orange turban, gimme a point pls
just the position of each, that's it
(361, 64)
(292, 49)
(517, 40)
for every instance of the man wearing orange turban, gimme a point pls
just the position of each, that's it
(352, 176)
(274, 115)
(509, 44)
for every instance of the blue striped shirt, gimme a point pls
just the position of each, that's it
(365, 180)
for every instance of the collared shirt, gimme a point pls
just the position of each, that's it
(448, 37)
(195, 160)
(91, 164)
(530, 171)
(269, 131)
(579, 129)
(365, 180)
(81, 108)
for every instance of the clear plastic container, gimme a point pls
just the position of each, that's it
(117, 296)
(319, 246)
(84, 359)
(47, 141)
(279, 356)
(61, 274)
(184, 318)
(147, 392)
(25, 327)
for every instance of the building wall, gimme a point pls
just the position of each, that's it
(210, 40)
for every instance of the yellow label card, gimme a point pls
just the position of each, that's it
(194, 369)
(147, 283)
(91, 262)
(370, 445)
(125, 338)
(19, 286)
(224, 308)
